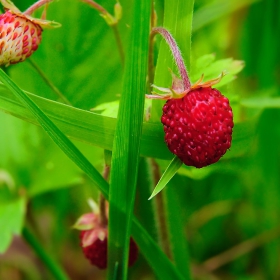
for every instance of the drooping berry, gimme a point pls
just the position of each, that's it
(19, 38)
(94, 239)
(198, 127)
(96, 252)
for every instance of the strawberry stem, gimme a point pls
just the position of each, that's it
(176, 54)
(112, 21)
(96, 6)
(36, 6)
(102, 200)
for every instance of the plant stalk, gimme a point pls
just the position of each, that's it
(176, 54)
(36, 6)
(160, 213)
(53, 266)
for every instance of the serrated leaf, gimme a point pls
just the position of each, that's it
(168, 174)
(211, 69)
(11, 221)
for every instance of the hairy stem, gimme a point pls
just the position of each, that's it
(36, 6)
(176, 54)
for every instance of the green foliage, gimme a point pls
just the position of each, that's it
(223, 219)
(11, 221)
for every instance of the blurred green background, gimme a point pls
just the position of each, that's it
(230, 210)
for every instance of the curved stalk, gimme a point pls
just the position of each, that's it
(176, 54)
(36, 6)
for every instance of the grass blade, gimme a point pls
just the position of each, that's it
(168, 174)
(126, 147)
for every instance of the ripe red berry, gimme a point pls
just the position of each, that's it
(19, 38)
(96, 252)
(198, 127)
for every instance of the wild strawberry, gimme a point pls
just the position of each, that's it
(94, 239)
(20, 34)
(19, 38)
(96, 252)
(198, 127)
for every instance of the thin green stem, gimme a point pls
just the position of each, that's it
(49, 82)
(53, 266)
(96, 6)
(36, 6)
(119, 42)
(112, 21)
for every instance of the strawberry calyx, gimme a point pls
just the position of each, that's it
(177, 91)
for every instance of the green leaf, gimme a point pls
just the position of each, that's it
(216, 10)
(83, 125)
(126, 147)
(168, 174)
(11, 221)
(211, 69)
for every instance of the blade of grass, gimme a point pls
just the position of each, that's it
(168, 174)
(56, 135)
(99, 130)
(126, 147)
(83, 125)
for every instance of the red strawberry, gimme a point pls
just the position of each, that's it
(96, 252)
(198, 127)
(19, 38)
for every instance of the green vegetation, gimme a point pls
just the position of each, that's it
(76, 104)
